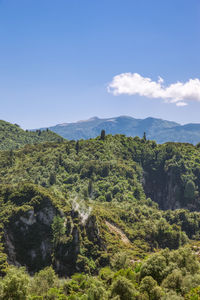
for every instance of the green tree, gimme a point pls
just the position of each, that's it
(119, 261)
(15, 284)
(43, 281)
(97, 291)
(103, 134)
(173, 281)
(52, 178)
(194, 294)
(58, 229)
(77, 147)
(109, 197)
(150, 287)
(154, 267)
(189, 189)
(90, 188)
(67, 149)
(123, 288)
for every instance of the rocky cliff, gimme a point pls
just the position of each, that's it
(28, 234)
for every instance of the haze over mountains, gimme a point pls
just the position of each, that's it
(156, 129)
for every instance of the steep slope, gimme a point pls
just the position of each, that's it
(13, 137)
(32, 235)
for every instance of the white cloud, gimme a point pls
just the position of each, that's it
(135, 84)
(181, 103)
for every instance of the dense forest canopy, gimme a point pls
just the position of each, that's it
(112, 217)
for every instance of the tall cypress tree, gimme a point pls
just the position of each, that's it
(103, 134)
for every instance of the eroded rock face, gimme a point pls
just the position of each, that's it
(10, 249)
(28, 238)
(29, 219)
(162, 190)
(92, 231)
(67, 256)
(167, 190)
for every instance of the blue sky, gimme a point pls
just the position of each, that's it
(57, 58)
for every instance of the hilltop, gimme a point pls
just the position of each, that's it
(13, 137)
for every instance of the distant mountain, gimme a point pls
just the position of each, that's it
(13, 137)
(156, 129)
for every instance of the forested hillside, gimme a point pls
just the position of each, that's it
(13, 137)
(106, 218)
(168, 174)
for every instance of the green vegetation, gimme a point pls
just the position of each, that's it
(119, 168)
(13, 137)
(164, 275)
(106, 218)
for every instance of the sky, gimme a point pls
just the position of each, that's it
(68, 60)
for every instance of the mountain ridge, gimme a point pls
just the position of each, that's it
(156, 129)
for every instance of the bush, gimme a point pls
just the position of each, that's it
(43, 281)
(123, 288)
(15, 284)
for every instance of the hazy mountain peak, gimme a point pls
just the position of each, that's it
(93, 118)
(157, 129)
